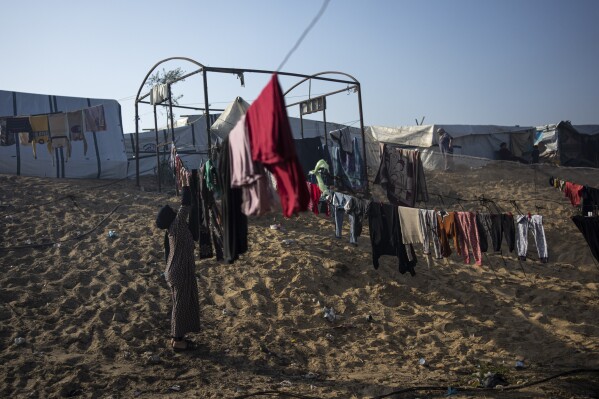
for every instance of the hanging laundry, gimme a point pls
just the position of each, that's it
(343, 139)
(194, 213)
(95, 120)
(211, 219)
(315, 195)
(468, 236)
(159, 93)
(533, 223)
(346, 204)
(401, 174)
(430, 231)
(409, 221)
(40, 133)
(356, 211)
(589, 227)
(19, 124)
(76, 128)
(483, 225)
(271, 142)
(235, 225)
(248, 175)
(386, 238)
(321, 171)
(509, 230)
(359, 165)
(447, 231)
(59, 136)
(496, 231)
(6, 138)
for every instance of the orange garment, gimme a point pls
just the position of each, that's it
(447, 230)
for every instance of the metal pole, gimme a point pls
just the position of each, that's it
(365, 173)
(207, 113)
(301, 122)
(136, 144)
(170, 109)
(157, 151)
(326, 137)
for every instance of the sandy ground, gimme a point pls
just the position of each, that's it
(93, 311)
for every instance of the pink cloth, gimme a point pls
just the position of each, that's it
(257, 197)
(468, 235)
(271, 143)
(243, 170)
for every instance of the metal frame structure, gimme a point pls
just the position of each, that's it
(353, 84)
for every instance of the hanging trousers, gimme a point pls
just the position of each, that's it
(468, 235)
(534, 224)
(430, 231)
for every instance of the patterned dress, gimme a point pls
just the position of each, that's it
(180, 276)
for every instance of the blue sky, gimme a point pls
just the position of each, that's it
(505, 62)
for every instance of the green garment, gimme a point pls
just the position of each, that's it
(322, 164)
(209, 176)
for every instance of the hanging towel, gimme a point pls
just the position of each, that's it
(159, 93)
(40, 133)
(257, 197)
(409, 220)
(95, 120)
(59, 132)
(76, 128)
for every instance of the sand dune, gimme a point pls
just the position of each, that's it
(94, 310)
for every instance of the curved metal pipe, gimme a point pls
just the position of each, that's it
(137, 100)
(318, 74)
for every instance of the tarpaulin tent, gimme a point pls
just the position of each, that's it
(105, 157)
(469, 141)
(569, 145)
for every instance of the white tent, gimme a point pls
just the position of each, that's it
(105, 157)
(476, 144)
(227, 120)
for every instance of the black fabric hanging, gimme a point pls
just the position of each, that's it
(386, 237)
(589, 227)
(235, 225)
(194, 214)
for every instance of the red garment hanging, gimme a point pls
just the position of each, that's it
(271, 143)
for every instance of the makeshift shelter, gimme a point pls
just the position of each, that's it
(104, 157)
(569, 145)
(474, 145)
(190, 140)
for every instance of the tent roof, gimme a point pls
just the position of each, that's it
(227, 120)
(424, 135)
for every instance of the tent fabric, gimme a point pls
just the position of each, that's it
(479, 142)
(569, 145)
(228, 119)
(105, 159)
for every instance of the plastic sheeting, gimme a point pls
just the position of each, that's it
(472, 142)
(105, 158)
